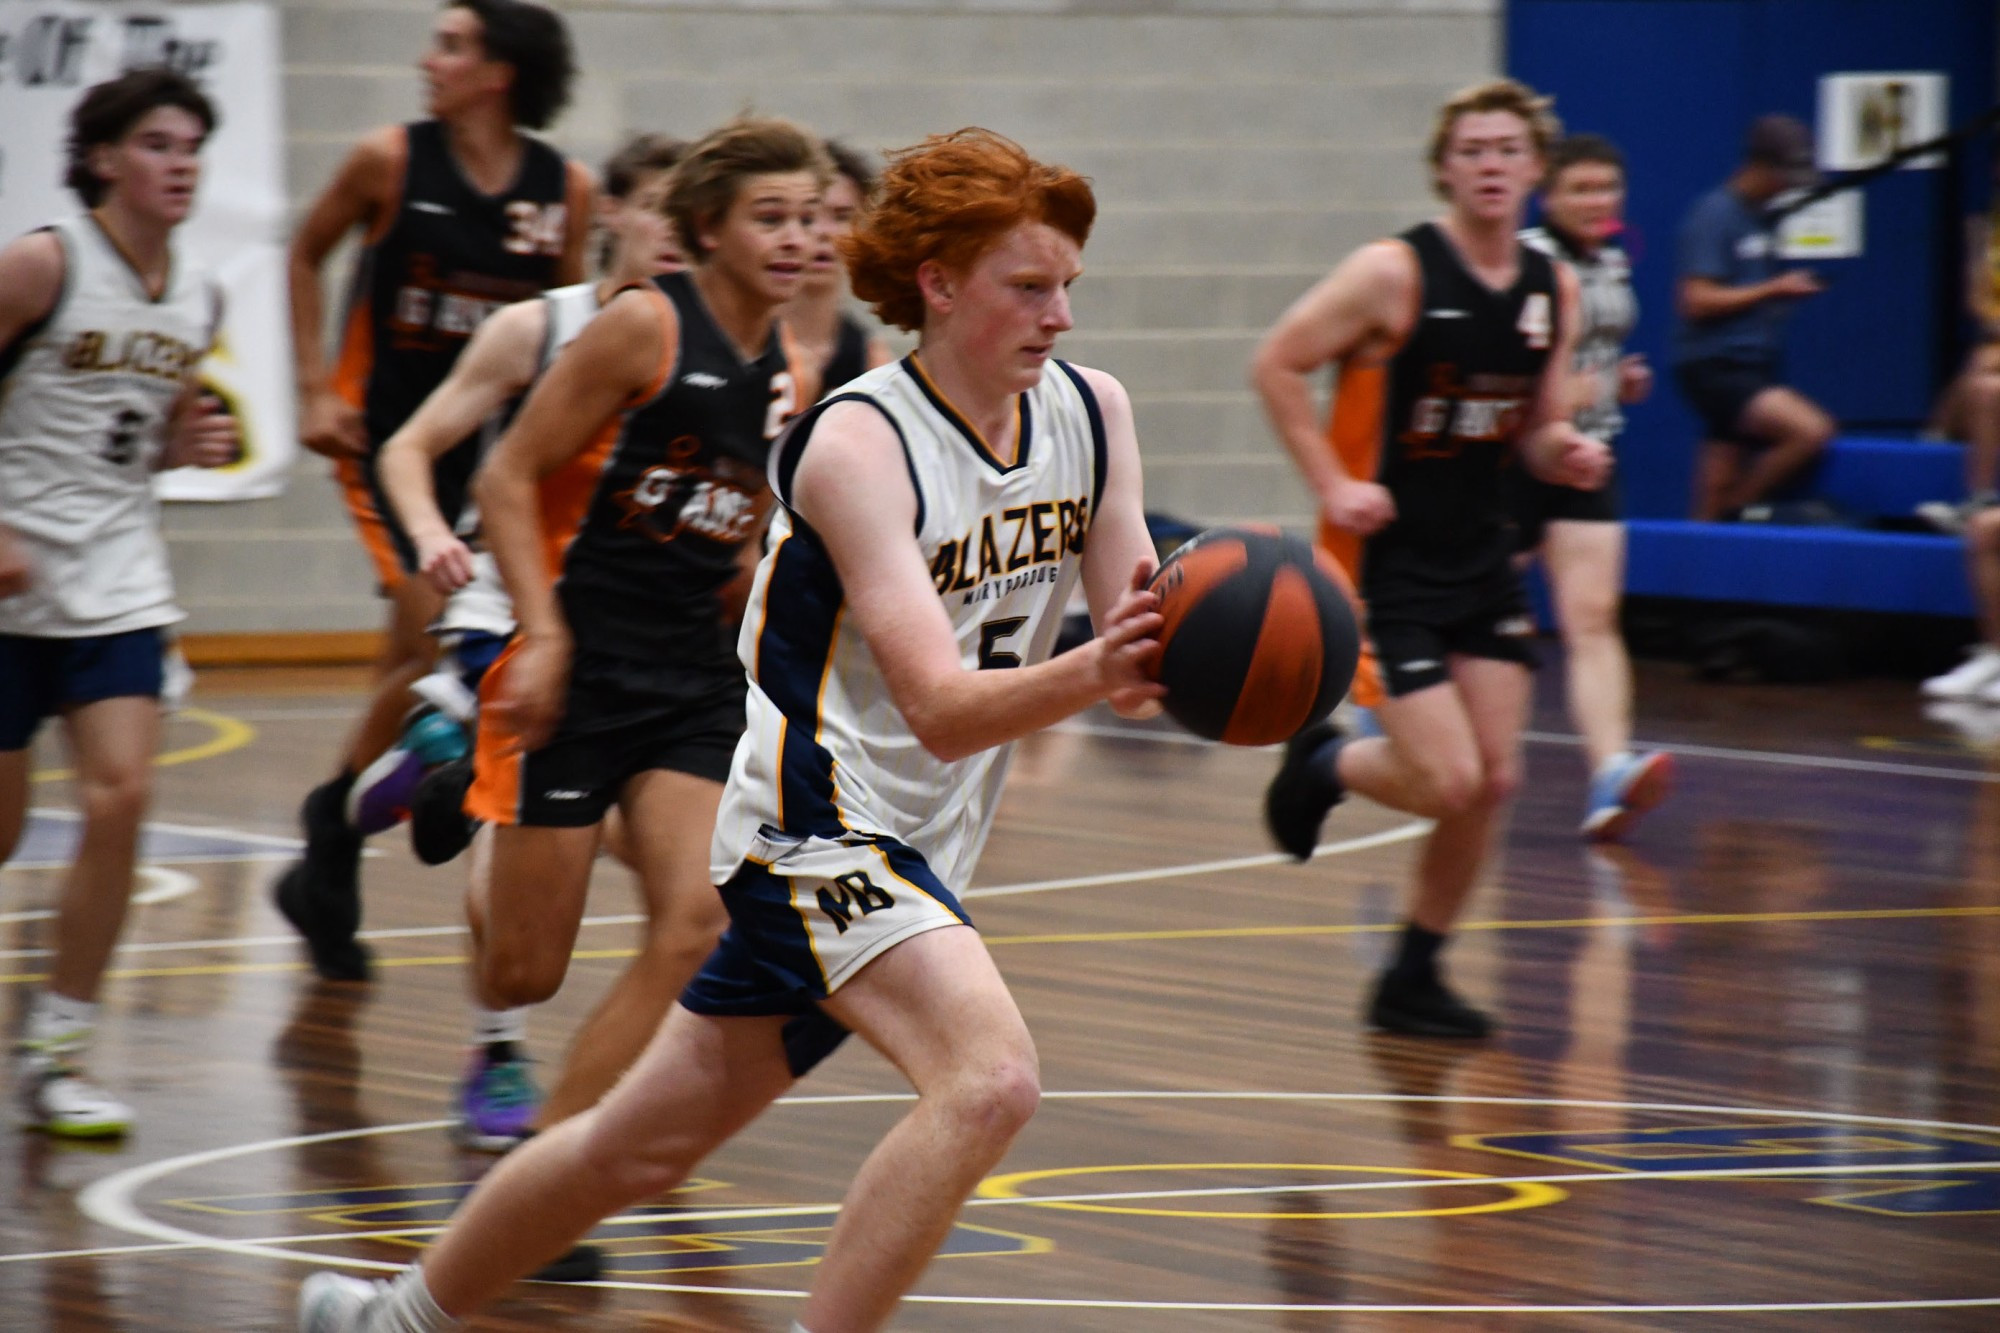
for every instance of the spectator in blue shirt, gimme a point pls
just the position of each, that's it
(1728, 349)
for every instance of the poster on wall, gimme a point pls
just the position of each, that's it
(49, 53)
(1863, 118)
(1829, 229)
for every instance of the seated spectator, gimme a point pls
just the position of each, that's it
(1733, 302)
(1970, 410)
(1978, 677)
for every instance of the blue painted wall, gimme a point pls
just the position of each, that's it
(1675, 82)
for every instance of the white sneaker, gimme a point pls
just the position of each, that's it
(1979, 670)
(1990, 693)
(331, 1303)
(58, 1099)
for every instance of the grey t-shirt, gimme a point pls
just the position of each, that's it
(1726, 240)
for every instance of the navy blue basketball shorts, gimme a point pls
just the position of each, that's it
(804, 918)
(40, 677)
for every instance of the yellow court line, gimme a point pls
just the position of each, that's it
(1129, 936)
(230, 734)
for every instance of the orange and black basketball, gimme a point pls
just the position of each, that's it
(1259, 639)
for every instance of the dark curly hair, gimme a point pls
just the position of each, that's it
(109, 110)
(535, 41)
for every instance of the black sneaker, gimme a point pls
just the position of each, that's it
(439, 827)
(583, 1263)
(1297, 801)
(1424, 1008)
(321, 895)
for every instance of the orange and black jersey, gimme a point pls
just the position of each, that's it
(443, 258)
(1439, 422)
(678, 486)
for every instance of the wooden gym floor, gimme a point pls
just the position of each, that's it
(1750, 1076)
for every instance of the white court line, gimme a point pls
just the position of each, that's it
(1400, 833)
(162, 885)
(1780, 757)
(109, 1201)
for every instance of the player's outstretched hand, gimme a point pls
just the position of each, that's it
(445, 561)
(204, 434)
(16, 572)
(530, 699)
(1127, 645)
(332, 426)
(1360, 507)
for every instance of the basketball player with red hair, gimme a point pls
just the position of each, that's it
(932, 522)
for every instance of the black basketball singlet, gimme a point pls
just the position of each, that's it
(1441, 426)
(676, 487)
(850, 354)
(448, 257)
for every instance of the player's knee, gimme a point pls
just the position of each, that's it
(997, 1100)
(1454, 784)
(627, 1172)
(1501, 781)
(1817, 430)
(1591, 614)
(116, 797)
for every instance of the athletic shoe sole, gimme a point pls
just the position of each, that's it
(1655, 780)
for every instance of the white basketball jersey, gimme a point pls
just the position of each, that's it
(84, 400)
(826, 755)
(483, 604)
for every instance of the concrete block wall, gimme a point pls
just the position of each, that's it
(1239, 148)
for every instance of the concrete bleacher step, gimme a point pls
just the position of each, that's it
(1838, 568)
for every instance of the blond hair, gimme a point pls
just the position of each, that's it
(712, 171)
(1499, 95)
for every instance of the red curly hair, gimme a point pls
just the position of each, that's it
(948, 199)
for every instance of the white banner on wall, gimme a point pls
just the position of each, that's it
(1863, 118)
(49, 53)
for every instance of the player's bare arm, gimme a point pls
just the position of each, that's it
(200, 432)
(498, 363)
(1119, 557)
(31, 277)
(1705, 298)
(853, 488)
(1359, 312)
(1551, 445)
(596, 377)
(360, 195)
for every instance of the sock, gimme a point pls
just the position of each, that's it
(408, 1307)
(797, 1327)
(497, 1025)
(1416, 955)
(57, 1020)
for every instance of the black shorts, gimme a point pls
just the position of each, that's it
(610, 733)
(1412, 649)
(1720, 388)
(1536, 504)
(40, 677)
